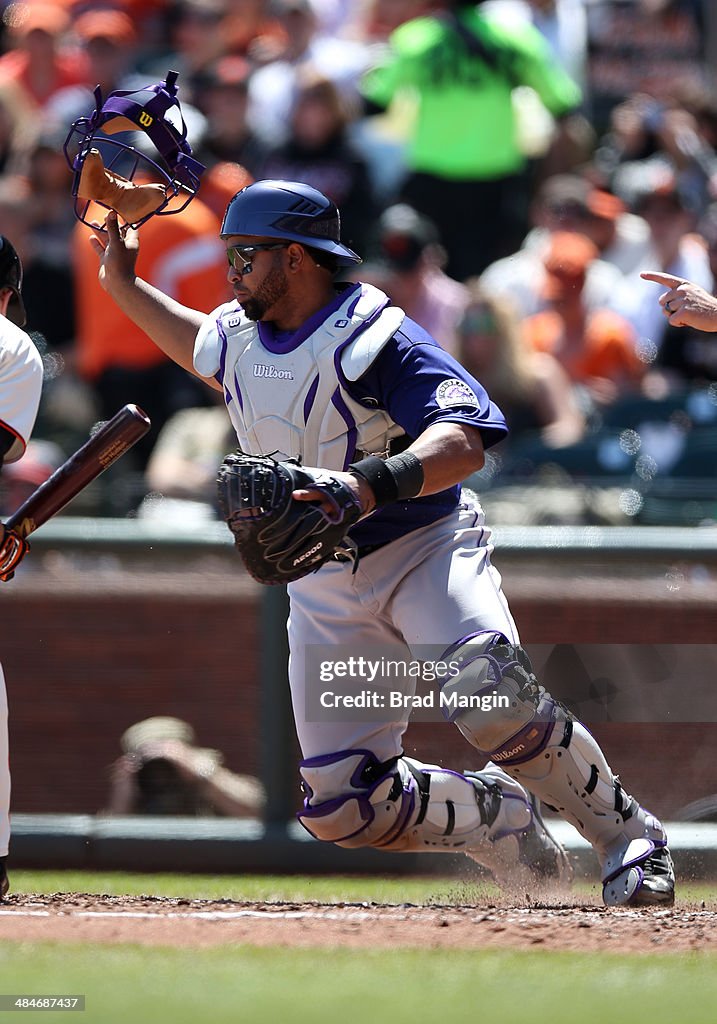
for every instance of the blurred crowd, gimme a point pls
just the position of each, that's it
(506, 175)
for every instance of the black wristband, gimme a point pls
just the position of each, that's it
(395, 479)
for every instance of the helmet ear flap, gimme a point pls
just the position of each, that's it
(105, 167)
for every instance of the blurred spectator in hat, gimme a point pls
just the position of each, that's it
(409, 270)
(319, 152)
(109, 40)
(597, 348)
(651, 136)
(163, 771)
(221, 93)
(273, 88)
(253, 30)
(570, 202)
(37, 202)
(37, 63)
(197, 38)
(567, 202)
(532, 389)
(675, 249)
(106, 41)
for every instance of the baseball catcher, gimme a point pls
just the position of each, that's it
(279, 538)
(331, 373)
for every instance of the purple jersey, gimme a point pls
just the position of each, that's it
(418, 383)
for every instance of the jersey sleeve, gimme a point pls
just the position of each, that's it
(418, 384)
(20, 389)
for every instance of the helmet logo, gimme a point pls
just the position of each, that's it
(145, 119)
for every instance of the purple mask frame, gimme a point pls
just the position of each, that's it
(145, 108)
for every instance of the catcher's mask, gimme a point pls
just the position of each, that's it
(152, 114)
(11, 277)
(289, 210)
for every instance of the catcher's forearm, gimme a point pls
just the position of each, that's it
(449, 452)
(442, 456)
(171, 326)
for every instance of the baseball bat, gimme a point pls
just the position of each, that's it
(107, 444)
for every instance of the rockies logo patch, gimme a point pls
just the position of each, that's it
(455, 392)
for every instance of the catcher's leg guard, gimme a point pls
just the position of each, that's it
(401, 805)
(539, 743)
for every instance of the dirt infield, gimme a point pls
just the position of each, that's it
(158, 921)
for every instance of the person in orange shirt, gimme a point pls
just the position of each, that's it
(37, 66)
(182, 255)
(597, 348)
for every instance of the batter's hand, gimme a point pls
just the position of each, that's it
(117, 248)
(685, 304)
(13, 549)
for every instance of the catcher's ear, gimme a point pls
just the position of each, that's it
(298, 256)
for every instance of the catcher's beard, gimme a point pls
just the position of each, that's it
(271, 290)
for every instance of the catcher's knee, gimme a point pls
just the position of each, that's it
(353, 800)
(495, 701)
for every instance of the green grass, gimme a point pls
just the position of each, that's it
(145, 985)
(299, 888)
(283, 888)
(303, 986)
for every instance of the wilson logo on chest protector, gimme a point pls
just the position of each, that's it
(264, 370)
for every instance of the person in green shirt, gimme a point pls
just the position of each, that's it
(466, 166)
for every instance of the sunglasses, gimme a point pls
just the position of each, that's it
(240, 256)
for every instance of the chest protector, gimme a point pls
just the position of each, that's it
(296, 404)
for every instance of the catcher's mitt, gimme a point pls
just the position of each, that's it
(279, 538)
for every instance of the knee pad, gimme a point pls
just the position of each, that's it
(402, 805)
(494, 698)
(353, 799)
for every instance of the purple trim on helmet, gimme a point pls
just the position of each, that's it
(310, 396)
(351, 432)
